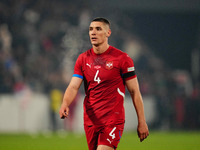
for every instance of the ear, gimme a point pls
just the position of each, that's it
(108, 33)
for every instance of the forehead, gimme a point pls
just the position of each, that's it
(97, 24)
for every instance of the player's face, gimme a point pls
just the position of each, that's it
(99, 33)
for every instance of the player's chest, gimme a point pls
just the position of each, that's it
(101, 69)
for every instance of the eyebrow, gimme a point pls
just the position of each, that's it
(95, 27)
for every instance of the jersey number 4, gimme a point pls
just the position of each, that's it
(96, 78)
(112, 134)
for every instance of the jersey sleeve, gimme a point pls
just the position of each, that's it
(78, 68)
(127, 68)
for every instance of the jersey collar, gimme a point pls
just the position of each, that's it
(104, 53)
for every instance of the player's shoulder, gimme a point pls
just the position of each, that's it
(119, 52)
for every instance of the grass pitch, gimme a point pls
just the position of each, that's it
(129, 141)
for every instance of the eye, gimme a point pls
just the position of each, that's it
(98, 28)
(90, 29)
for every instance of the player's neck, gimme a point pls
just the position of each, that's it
(99, 49)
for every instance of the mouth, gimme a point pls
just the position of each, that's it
(93, 38)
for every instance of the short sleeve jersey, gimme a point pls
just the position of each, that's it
(104, 78)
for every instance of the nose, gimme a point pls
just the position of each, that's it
(93, 32)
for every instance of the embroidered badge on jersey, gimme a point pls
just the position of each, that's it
(97, 67)
(131, 69)
(109, 65)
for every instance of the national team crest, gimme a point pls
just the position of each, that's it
(109, 65)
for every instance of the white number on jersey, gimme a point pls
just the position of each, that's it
(97, 79)
(112, 134)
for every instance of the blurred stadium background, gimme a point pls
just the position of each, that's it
(41, 39)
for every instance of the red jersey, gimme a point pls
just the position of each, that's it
(104, 75)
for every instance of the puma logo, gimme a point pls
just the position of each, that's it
(88, 65)
(109, 141)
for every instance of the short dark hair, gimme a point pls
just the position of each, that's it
(101, 19)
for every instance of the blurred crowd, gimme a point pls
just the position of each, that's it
(41, 39)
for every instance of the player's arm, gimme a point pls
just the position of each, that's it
(69, 96)
(133, 88)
